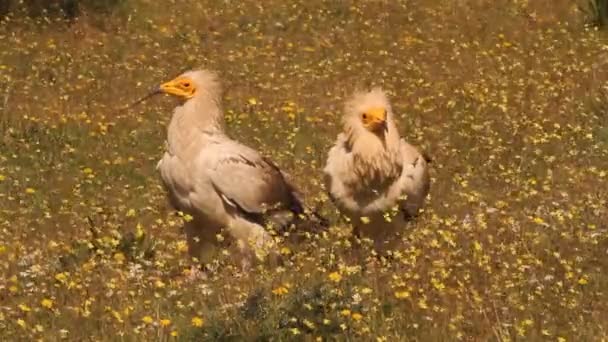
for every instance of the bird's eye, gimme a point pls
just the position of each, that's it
(186, 84)
(364, 116)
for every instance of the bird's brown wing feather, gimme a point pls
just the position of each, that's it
(249, 181)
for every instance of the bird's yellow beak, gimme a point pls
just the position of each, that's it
(375, 119)
(181, 87)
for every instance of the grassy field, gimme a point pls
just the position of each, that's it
(509, 97)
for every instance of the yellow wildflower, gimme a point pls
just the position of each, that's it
(281, 290)
(335, 277)
(119, 257)
(139, 231)
(182, 246)
(197, 322)
(538, 220)
(357, 316)
(117, 316)
(310, 325)
(47, 303)
(402, 294)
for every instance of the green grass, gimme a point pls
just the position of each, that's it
(506, 96)
(597, 12)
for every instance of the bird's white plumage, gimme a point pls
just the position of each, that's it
(370, 175)
(218, 181)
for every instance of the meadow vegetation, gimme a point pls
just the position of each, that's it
(510, 98)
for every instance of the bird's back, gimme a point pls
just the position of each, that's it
(415, 178)
(246, 169)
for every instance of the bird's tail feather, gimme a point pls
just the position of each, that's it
(304, 213)
(427, 157)
(306, 218)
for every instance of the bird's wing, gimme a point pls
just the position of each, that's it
(409, 189)
(409, 152)
(176, 180)
(415, 166)
(415, 179)
(338, 173)
(245, 179)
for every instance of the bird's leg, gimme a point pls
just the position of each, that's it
(356, 236)
(263, 244)
(201, 247)
(195, 239)
(410, 212)
(254, 241)
(246, 264)
(360, 245)
(407, 216)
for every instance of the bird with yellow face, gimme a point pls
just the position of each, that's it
(374, 177)
(219, 182)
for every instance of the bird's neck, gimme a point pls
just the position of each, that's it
(199, 114)
(369, 145)
(203, 113)
(376, 157)
(193, 122)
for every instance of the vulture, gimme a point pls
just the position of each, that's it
(375, 178)
(220, 183)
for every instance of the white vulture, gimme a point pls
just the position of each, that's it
(374, 177)
(221, 183)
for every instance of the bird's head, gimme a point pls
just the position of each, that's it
(192, 83)
(181, 86)
(203, 84)
(374, 119)
(368, 110)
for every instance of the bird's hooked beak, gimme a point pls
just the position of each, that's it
(179, 87)
(182, 87)
(377, 120)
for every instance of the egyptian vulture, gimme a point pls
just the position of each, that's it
(220, 182)
(374, 177)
